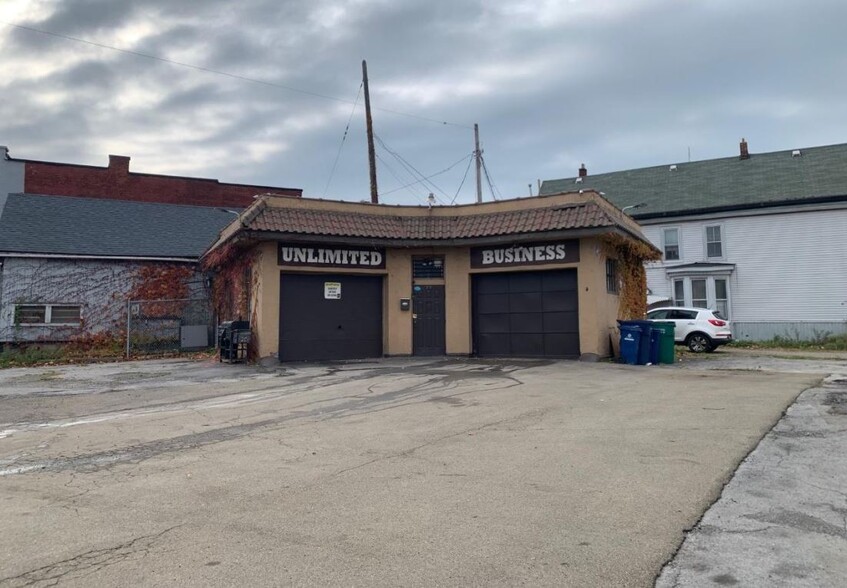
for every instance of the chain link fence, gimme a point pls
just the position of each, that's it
(155, 327)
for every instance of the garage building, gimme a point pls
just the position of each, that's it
(324, 280)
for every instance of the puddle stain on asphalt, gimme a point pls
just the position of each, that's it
(440, 384)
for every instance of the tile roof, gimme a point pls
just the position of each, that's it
(63, 225)
(384, 226)
(763, 179)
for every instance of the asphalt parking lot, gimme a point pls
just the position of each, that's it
(397, 472)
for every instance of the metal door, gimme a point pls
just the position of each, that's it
(329, 316)
(428, 320)
(526, 314)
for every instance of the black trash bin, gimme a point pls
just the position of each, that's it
(233, 339)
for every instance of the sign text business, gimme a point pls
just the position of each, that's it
(526, 254)
(322, 256)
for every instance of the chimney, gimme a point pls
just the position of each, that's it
(4, 151)
(744, 154)
(582, 170)
(119, 164)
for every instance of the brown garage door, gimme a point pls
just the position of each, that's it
(329, 316)
(526, 314)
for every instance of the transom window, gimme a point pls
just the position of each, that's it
(427, 267)
(714, 245)
(47, 314)
(670, 241)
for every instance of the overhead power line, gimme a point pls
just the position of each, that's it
(225, 73)
(491, 186)
(464, 177)
(343, 138)
(399, 179)
(443, 171)
(413, 171)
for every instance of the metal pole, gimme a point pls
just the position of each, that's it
(128, 311)
(478, 155)
(369, 123)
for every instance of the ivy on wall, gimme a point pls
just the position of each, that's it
(100, 288)
(631, 255)
(231, 266)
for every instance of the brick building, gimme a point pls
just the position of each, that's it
(118, 183)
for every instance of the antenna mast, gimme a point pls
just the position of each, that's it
(369, 123)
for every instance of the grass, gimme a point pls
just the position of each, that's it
(29, 356)
(49, 356)
(824, 343)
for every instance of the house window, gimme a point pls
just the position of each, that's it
(670, 240)
(714, 247)
(698, 294)
(47, 314)
(428, 267)
(612, 276)
(721, 298)
(679, 292)
(710, 292)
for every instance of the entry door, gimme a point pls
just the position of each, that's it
(428, 320)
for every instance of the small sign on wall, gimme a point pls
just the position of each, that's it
(332, 290)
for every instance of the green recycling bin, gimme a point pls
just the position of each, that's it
(666, 342)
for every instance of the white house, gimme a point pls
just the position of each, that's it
(762, 238)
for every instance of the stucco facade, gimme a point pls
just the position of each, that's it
(598, 309)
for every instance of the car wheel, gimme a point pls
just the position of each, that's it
(699, 343)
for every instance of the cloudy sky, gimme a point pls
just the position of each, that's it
(616, 84)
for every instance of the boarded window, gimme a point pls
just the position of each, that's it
(64, 315)
(47, 314)
(30, 315)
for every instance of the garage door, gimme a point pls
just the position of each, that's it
(526, 314)
(324, 316)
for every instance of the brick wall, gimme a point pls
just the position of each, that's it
(117, 182)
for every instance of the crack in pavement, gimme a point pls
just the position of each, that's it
(86, 563)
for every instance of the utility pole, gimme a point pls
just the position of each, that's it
(369, 123)
(478, 155)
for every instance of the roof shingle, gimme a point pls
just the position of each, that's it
(382, 226)
(62, 225)
(765, 178)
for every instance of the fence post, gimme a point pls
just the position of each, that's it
(128, 315)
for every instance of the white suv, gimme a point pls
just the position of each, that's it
(699, 328)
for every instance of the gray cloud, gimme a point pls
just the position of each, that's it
(613, 83)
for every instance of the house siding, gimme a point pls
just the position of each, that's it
(790, 275)
(11, 178)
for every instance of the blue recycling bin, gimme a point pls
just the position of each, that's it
(630, 343)
(655, 344)
(644, 341)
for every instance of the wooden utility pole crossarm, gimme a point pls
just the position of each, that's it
(370, 129)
